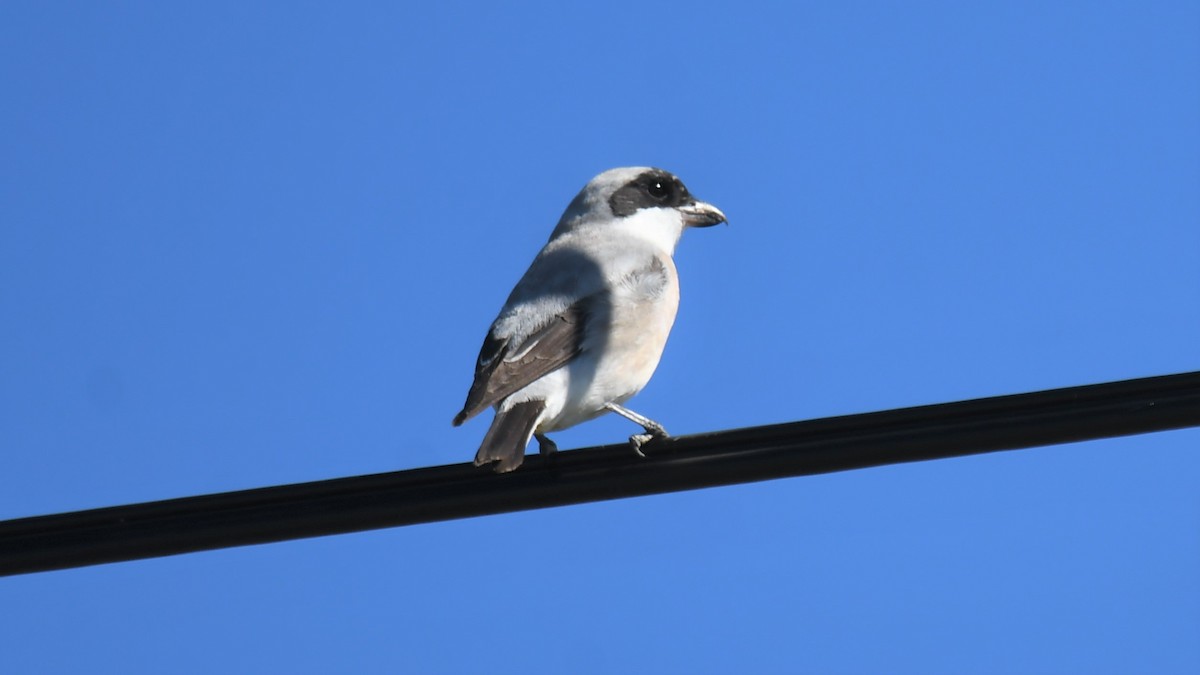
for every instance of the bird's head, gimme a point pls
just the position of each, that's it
(642, 201)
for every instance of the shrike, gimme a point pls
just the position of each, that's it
(583, 330)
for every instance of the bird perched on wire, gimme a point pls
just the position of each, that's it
(584, 329)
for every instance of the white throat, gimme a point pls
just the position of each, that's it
(660, 228)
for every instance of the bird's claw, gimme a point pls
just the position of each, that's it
(637, 440)
(653, 433)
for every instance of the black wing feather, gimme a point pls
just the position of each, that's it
(497, 374)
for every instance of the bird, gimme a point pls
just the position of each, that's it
(584, 328)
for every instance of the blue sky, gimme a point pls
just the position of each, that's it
(253, 244)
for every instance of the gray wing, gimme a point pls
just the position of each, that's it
(506, 366)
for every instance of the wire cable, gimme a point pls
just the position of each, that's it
(432, 494)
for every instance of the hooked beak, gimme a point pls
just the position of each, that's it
(701, 214)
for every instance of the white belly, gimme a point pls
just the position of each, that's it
(621, 351)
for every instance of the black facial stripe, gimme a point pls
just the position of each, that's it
(647, 191)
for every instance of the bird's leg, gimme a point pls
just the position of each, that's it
(546, 447)
(654, 430)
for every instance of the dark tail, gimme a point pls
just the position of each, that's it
(509, 434)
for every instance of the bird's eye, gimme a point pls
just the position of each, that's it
(659, 190)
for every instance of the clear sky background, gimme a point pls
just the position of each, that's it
(254, 244)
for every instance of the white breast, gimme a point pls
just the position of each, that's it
(621, 355)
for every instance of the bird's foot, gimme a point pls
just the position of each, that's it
(654, 431)
(636, 442)
(546, 447)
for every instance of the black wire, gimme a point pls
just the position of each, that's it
(721, 458)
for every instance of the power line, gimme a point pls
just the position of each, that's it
(439, 493)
